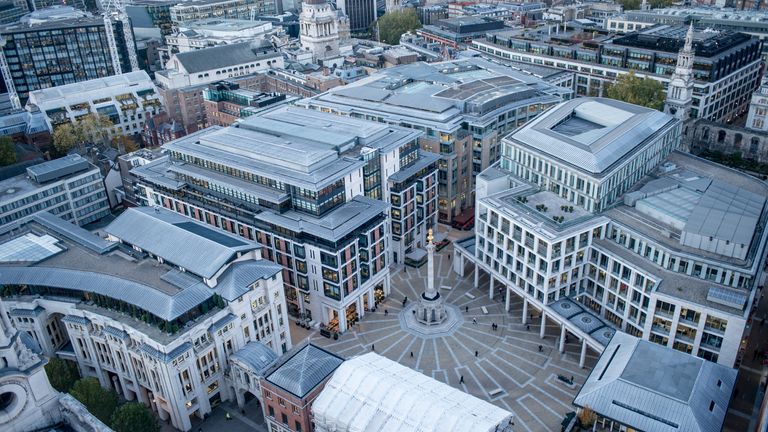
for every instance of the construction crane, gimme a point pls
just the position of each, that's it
(6, 71)
(116, 8)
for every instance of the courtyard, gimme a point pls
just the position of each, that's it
(511, 366)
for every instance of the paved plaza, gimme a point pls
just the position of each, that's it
(504, 367)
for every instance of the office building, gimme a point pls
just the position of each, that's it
(127, 100)
(361, 14)
(153, 321)
(69, 187)
(757, 119)
(459, 31)
(28, 127)
(402, 399)
(321, 193)
(726, 65)
(57, 47)
(752, 22)
(226, 102)
(463, 107)
(594, 220)
(291, 386)
(224, 9)
(12, 10)
(150, 19)
(638, 385)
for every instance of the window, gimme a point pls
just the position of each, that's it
(285, 418)
(271, 411)
(711, 406)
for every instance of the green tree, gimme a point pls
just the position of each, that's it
(90, 129)
(7, 151)
(99, 401)
(393, 24)
(630, 88)
(62, 374)
(134, 417)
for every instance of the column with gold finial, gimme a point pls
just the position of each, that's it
(430, 293)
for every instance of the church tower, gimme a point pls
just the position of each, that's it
(680, 90)
(27, 400)
(319, 34)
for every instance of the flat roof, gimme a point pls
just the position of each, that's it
(438, 95)
(301, 147)
(22, 184)
(88, 90)
(591, 134)
(650, 387)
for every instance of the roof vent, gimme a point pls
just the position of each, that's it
(10, 191)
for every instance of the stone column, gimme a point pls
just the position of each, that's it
(525, 309)
(543, 324)
(490, 289)
(583, 355)
(342, 320)
(508, 298)
(477, 280)
(562, 338)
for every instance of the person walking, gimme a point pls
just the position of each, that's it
(541, 348)
(373, 348)
(411, 354)
(474, 321)
(461, 379)
(466, 309)
(476, 353)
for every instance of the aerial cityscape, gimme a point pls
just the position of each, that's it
(383, 215)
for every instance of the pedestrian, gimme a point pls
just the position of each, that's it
(411, 354)
(476, 353)
(373, 348)
(531, 315)
(449, 257)
(474, 321)
(228, 417)
(541, 348)
(571, 379)
(386, 312)
(461, 379)
(466, 309)
(528, 327)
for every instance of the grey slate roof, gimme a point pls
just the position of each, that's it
(165, 357)
(179, 240)
(591, 134)
(304, 369)
(222, 56)
(256, 356)
(650, 387)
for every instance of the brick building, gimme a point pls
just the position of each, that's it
(293, 384)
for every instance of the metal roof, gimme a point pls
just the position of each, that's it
(165, 357)
(181, 241)
(303, 370)
(58, 168)
(374, 393)
(74, 233)
(160, 304)
(239, 277)
(650, 387)
(256, 356)
(591, 134)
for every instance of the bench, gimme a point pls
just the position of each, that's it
(469, 295)
(495, 392)
(445, 287)
(485, 311)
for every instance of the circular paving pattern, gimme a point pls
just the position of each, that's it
(409, 324)
(466, 346)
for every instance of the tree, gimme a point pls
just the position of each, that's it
(134, 417)
(91, 129)
(7, 151)
(99, 401)
(630, 88)
(393, 24)
(62, 374)
(587, 417)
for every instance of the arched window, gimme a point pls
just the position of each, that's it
(737, 140)
(720, 136)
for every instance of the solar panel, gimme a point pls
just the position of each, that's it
(727, 297)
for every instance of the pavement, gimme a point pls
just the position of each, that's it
(251, 421)
(508, 358)
(750, 383)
